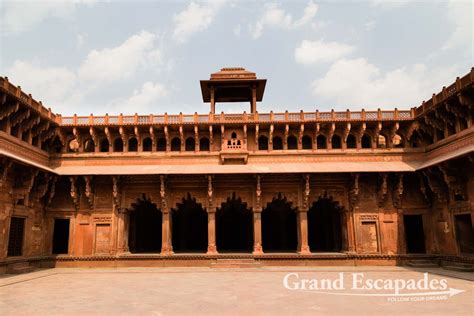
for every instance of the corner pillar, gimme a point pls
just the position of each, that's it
(257, 231)
(166, 245)
(303, 247)
(211, 231)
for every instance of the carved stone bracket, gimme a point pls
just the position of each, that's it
(52, 191)
(164, 204)
(306, 192)
(436, 185)
(9, 109)
(453, 179)
(6, 166)
(210, 192)
(116, 190)
(74, 192)
(354, 191)
(382, 190)
(258, 195)
(398, 191)
(89, 191)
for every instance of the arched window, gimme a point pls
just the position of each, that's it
(263, 143)
(147, 144)
(277, 143)
(307, 142)
(190, 145)
(398, 141)
(104, 145)
(366, 141)
(118, 144)
(204, 144)
(233, 135)
(381, 141)
(321, 142)
(292, 142)
(336, 142)
(176, 144)
(161, 144)
(132, 144)
(351, 141)
(89, 146)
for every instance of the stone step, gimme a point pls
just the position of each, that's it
(235, 263)
(422, 263)
(20, 267)
(459, 266)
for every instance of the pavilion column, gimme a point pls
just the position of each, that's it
(253, 104)
(211, 231)
(257, 231)
(166, 245)
(122, 234)
(213, 101)
(303, 247)
(349, 223)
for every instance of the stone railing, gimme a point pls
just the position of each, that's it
(26, 99)
(446, 92)
(285, 117)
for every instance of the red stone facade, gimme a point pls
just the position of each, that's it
(304, 188)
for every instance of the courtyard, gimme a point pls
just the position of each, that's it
(227, 291)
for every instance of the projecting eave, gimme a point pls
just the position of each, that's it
(234, 83)
(319, 167)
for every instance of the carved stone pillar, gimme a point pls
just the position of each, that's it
(257, 231)
(211, 231)
(122, 226)
(166, 245)
(349, 221)
(303, 247)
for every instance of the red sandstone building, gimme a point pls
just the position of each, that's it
(364, 187)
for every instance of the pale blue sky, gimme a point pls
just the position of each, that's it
(87, 56)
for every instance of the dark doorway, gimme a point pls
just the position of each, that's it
(279, 227)
(292, 142)
(204, 144)
(277, 143)
(161, 144)
(190, 144)
(307, 142)
(464, 233)
(176, 144)
(321, 142)
(61, 236)
(147, 144)
(189, 227)
(132, 144)
(366, 141)
(324, 226)
(234, 226)
(336, 142)
(104, 145)
(351, 141)
(15, 238)
(145, 227)
(414, 234)
(262, 143)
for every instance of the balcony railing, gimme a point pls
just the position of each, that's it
(26, 99)
(285, 117)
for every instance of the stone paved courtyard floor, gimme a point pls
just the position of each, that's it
(226, 291)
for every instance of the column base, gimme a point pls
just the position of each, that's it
(211, 250)
(257, 251)
(166, 251)
(304, 251)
